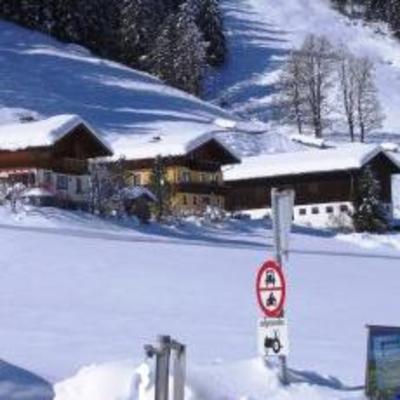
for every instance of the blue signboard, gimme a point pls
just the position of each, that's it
(383, 364)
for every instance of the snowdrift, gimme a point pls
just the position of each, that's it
(244, 380)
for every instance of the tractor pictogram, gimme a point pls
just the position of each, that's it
(273, 343)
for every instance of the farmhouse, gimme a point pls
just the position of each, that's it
(325, 181)
(192, 165)
(51, 154)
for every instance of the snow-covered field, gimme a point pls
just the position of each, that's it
(76, 291)
(80, 296)
(261, 32)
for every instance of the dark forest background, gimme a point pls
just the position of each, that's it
(175, 40)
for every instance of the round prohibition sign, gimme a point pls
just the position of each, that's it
(271, 289)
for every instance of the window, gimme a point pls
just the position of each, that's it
(203, 177)
(78, 185)
(62, 182)
(329, 210)
(344, 208)
(185, 200)
(28, 179)
(315, 210)
(185, 176)
(136, 179)
(205, 200)
(47, 177)
(195, 200)
(302, 211)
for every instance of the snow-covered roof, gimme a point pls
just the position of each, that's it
(347, 157)
(43, 133)
(251, 126)
(311, 141)
(389, 146)
(134, 192)
(146, 146)
(36, 192)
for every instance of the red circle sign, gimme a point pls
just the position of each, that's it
(271, 289)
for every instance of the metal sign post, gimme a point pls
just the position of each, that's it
(167, 346)
(179, 370)
(282, 202)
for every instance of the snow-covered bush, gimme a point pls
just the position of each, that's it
(369, 214)
(214, 214)
(15, 196)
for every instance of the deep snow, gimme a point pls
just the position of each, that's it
(71, 297)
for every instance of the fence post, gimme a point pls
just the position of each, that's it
(163, 354)
(179, 370)
(162, 368)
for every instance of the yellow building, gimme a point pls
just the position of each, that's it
(192, 167)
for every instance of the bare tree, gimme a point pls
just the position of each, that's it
(317, 71)
(291, 91)
(369, 113)
(106, 182)
(348, 88)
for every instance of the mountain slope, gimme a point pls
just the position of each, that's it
(261, 32)
(41, 76)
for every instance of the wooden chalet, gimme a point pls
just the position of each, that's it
(192, 164)
(52, 154)
(325, 181)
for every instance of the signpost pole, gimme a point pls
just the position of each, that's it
(162, 368)
(278, 231)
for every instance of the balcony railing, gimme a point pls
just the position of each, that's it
(216, 188)
(71, 166)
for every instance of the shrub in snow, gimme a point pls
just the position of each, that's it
(369, 214)
(214, 214)
(342, 223)
(137, 202)
(15, 196)
(161, 188)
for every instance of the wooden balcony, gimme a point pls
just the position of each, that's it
(207, 188)
(71, 166)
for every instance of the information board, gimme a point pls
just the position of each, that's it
(272, 337)
(383, 363)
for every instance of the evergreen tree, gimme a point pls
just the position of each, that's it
(178, 56)
(137, 24)
(210, 24)
(369, 215)
(190, 53)
(129, 31)
(94, 25)
(161, 58)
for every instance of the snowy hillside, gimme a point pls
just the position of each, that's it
(262, 31)
(80, 292)
(42, 77)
